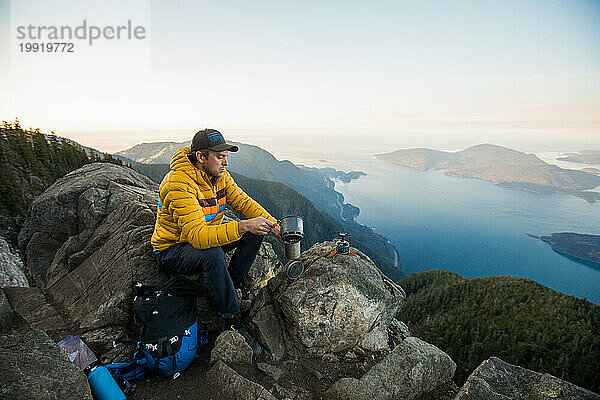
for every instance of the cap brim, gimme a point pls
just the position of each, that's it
(223, 147)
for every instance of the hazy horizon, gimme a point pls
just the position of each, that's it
(511, 73)
(284, 146)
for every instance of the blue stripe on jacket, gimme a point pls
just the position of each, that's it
(210, 217)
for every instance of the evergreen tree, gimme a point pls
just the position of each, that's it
(516, 319)
(30, 162)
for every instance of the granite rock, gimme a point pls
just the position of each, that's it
(336, 302)
(11, 266)
(86, 240)
(32, 366)
(495, 379)
(229, 385)
(412, 369)
(231, 348)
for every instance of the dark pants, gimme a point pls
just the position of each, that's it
(183, 258)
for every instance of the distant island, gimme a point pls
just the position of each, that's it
(576, 245)
(335, 174)
(583, 156)
(502, 166)
(345, 177)
(592, 170)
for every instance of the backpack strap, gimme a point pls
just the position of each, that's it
(129, 372)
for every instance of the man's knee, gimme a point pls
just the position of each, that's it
(213, 257)
(251, 238)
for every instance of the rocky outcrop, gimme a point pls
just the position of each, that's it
(74, 211)
(351, 305)
(7, 314)
(231, 348)
(337, 304)
(338, 319)
(11, 266)
(411, 369)
(229, 385)
(33, 367)
(267, 327)
(86, 239)
(495, 379)
(265, 267)
(33, 312)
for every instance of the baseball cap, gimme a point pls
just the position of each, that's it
(211, 139)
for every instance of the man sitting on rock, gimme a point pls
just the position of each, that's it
(189, 237)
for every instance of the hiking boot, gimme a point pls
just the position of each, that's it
(234, 324)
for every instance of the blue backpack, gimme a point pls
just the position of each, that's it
(170, 334)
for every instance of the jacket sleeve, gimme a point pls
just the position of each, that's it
(242, 203)
(187, 213)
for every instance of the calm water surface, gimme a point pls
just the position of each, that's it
(469, 226)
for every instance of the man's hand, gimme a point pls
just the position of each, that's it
(258, 226)
(277, 232)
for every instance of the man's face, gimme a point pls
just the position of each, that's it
(214, 165)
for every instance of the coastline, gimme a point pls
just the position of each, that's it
(579, 247)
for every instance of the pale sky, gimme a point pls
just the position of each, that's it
(490, 69)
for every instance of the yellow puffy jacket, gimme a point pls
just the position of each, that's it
(191, 208)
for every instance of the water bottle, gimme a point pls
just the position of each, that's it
(102, 383)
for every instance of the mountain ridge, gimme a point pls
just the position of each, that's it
(255, 162)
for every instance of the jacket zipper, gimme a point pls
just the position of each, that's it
(212, 187)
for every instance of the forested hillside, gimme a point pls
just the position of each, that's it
(281, 200)
(515, 319)
(30, 162)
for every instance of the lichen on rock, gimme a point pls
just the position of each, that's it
(11, 266)
(337, 301)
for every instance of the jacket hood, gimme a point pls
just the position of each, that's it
(181, 162)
